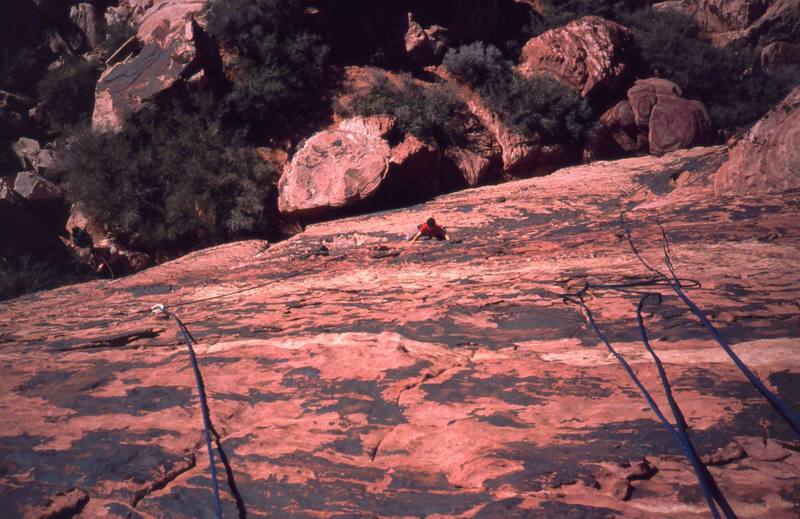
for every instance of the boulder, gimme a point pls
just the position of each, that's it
(767, 158)
(657, 119)
(84, 17)
(32, 156)
(335, 168)
(424, 46)
(174, 48)
(26, 150)
(352, 162)
(34, 188)
(590, 55)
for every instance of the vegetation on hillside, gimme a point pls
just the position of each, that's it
(727, 80)
(428, 112)
(173, 178)
(282, 63)
(534, 106)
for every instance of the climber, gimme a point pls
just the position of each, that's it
(431, 230)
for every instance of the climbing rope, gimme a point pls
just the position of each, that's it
(788, 414)
(707, 484)
(207, 427)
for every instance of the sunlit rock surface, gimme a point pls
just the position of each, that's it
(436, 380)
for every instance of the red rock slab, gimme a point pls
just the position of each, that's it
(767, 158)
(352, 374)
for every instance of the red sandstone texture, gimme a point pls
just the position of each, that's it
(767, 158)
(444, 379)
(589, 55)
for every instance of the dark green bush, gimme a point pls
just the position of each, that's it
(477, 64)
(536, 105)
(67, 92)
(282, 63)
(172, 179)
(22, 274)
(428, 112)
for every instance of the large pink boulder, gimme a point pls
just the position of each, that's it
(767, 158)
(589, 54)
(173, 42)
(657, 119)
(349, 163)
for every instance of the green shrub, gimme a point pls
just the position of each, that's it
(536, 105)
(22, 274)
(172, 179)
(477, 64)
(282, 63)
(67, 92)
(428, 112)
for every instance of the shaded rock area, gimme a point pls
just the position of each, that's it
(654, 118)
(767, 158)
(763, 23)
(591, 55)
(361, 376)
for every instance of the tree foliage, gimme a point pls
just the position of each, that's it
(67, 92)
(282, 63)
(535, 105)
(172, 178)
(428, 112)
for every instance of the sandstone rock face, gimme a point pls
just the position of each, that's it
(424, 46)
(336, 168)
(767, 158)
(35, 188)
(32, 156)
(84, 17)
(447, 379)
(173, 46)
(589, 54)
(657, 119)
(759, 21)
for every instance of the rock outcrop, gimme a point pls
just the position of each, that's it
(336, 168)
(349, 163)
(362, 377)
(590, 55)
(656, 118)
(767, 158)
(174, 49)
(33, 187)
(761, 22)
(424, 46)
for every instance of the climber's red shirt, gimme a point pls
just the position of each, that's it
(433, 231)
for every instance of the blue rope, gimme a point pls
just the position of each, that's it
(787, 413)
(707, 483)
(187, 338)
(682, 439)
